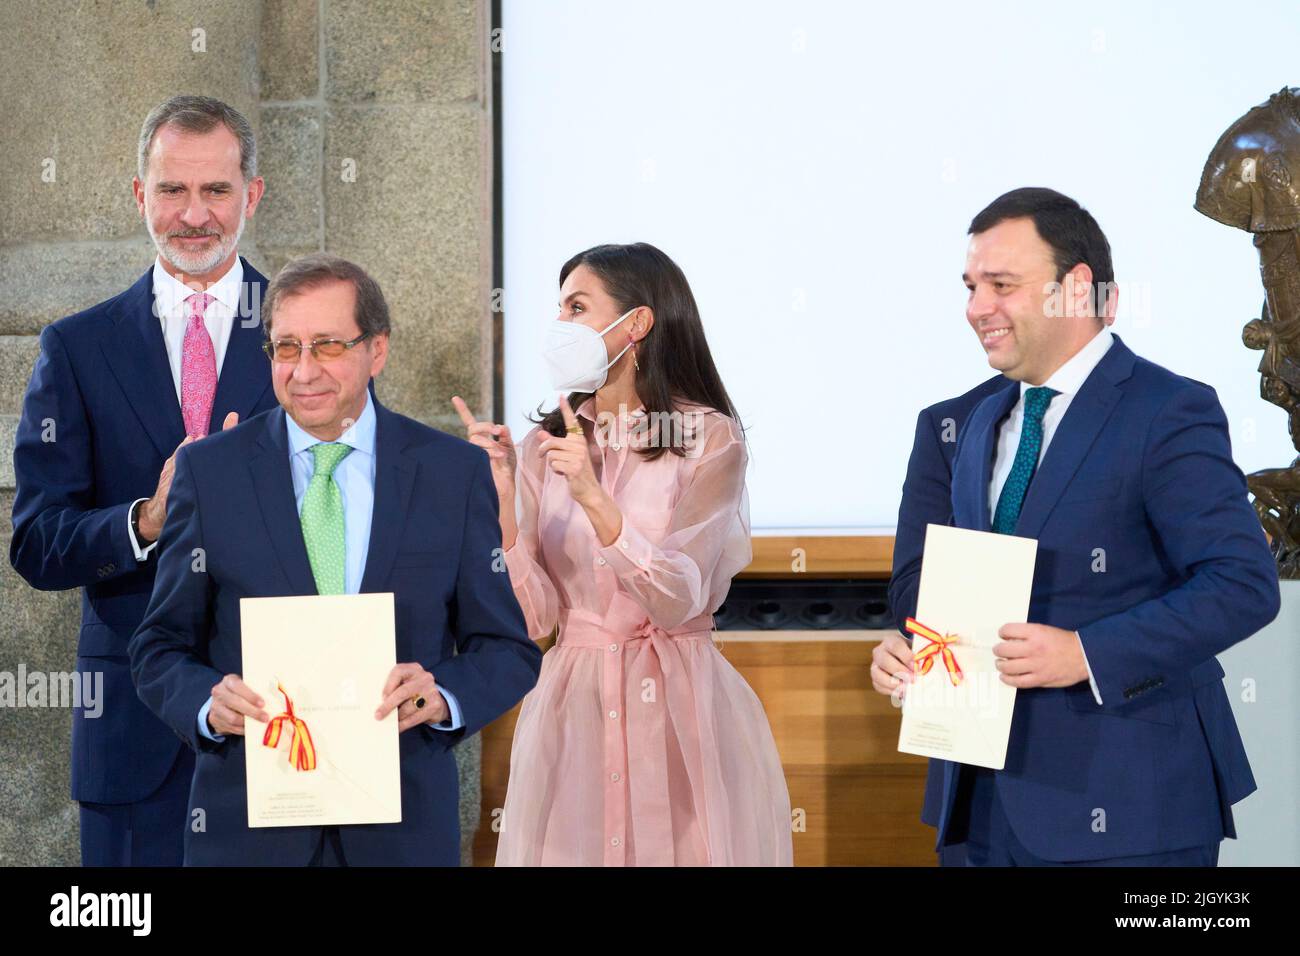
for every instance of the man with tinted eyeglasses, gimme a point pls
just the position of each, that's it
(349, 497)
(116, 389)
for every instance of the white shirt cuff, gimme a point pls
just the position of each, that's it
(141, 554)
(1092, 681)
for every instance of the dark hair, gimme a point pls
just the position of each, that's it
(676, 364)
(198, 114)
(317, 268)
(1062, 223)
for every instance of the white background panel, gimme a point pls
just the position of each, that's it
(813, 168)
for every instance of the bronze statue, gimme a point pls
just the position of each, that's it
(1252, 181)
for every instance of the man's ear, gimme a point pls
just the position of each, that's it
(378, 353)
(1108, 302)
(137, 188)
(1080, 291)
(256, 189)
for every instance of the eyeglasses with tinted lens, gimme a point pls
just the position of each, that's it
(289, 350)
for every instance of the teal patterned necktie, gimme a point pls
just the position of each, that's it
(322, 519)
(1022, 469)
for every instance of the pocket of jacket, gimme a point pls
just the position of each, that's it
(1155, 706)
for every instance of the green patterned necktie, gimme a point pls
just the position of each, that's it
(322, 519)
(1016, 486)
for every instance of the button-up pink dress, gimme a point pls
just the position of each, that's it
(640, 745)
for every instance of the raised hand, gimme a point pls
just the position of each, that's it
(496, 441)
(154, 511)
(569, 457)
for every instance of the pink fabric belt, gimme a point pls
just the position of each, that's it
(636, 761)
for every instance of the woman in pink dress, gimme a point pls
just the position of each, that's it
(640, 745)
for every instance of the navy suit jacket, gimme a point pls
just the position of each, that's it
(1148, 547)
(927, 499)
(435, 544)
(99, 420)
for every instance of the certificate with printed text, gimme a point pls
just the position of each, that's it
(972, 582)
(320, 662)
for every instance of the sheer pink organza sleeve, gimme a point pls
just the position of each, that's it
(533, 587)
(707, 539)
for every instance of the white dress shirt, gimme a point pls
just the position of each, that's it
(169, 295)
(1066, 380)
(354, 476)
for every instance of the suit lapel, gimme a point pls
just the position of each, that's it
(274, 483)
(1075, 435)
(137, 356)
(394, 480)
(245, 370)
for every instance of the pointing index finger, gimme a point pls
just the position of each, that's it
(463, 411)
(570, 419)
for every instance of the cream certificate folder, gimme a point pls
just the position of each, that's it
(320, 663)
(972, 582)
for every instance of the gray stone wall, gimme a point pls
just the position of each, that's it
(374, 130)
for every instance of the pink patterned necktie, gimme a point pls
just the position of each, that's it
(198, 368)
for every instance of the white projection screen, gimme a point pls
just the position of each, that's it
(813, 168)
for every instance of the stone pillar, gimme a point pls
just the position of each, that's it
(374, 133)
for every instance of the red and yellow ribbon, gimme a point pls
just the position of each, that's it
(302, 752)
(940, 646)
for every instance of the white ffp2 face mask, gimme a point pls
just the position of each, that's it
(575, 355)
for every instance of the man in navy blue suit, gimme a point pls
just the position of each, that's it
(116, 389)
(927, 499)
(1123, 749)
(332, 493)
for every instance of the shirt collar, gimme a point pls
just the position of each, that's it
(170, 291)
(361, 436)
(1069, 378)
(587, 410)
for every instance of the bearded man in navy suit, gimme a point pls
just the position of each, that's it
(116, 390)
(1123, 749)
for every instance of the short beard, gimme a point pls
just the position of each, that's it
(199, 263)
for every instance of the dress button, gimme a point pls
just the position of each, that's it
(641, 562)
(615, 841)
(613, 715)
(615, 445)
(613, 647)
(614, 776)
(623, 545)
(601, 561)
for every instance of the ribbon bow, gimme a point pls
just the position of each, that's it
(302, 752)
(659, 640)
(940, 646)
